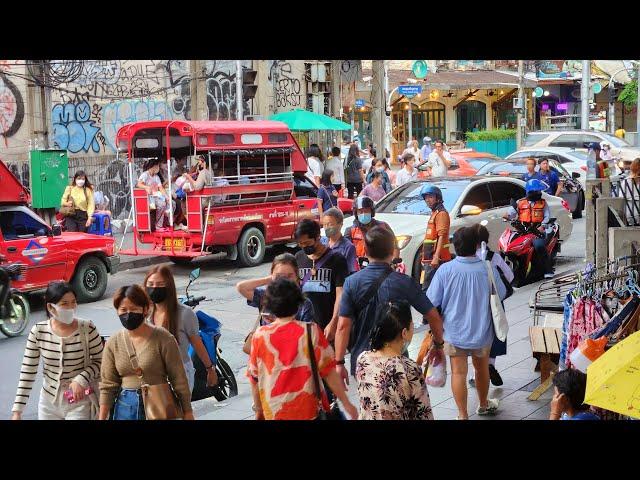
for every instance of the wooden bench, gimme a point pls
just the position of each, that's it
(545, 346)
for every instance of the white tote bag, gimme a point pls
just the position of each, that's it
(500, 324)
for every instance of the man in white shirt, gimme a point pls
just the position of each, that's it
(408, 172)
(335, 163)
(316, 166)
(439, 160)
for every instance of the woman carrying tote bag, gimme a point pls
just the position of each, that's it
(77, 204)
(142, 375)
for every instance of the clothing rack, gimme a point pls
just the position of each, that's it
(550, 295)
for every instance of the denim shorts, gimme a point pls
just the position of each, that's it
(129, 405)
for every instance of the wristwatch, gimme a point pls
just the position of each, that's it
(340, 362)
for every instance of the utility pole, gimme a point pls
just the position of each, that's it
(410, 133)
(198, 91)
(584, 94)
(387, 110)
(520, 117)
(239, 113)
(378, 104)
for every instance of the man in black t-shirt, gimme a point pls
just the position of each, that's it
(322, 273)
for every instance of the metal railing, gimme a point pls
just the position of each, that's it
(629, 189)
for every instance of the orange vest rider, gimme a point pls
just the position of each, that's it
(438, 216)
(528, 213)
(356, 234)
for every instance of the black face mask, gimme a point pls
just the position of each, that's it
(534, 196)
(157, 294)
(131, 320)
(200, 167)
(310, 250)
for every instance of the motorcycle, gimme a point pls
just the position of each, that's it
(516, 247)
(17, 312)
(210, 332)
(397, 264)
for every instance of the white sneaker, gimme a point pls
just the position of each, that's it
(548, 275)
(490, 409)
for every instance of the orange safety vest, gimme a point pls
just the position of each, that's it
(431, 240)
(357, 238)
(528, 213)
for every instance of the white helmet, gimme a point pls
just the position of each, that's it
(603, 143)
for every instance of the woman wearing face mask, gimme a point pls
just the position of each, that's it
(327, 193)
(379, 167)
(158, 357)
(158, 198)
(375, 190)
(80, 196)
(283, 266)
(390, 385)
(71, 350)
(179, 319)
(332, 221)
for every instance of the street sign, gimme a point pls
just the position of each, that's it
(409, 90)
(420, 69)
(359, 103)
(597, 88)
(539, 91)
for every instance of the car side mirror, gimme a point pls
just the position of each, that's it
(467, 210)
(56, 230)
(194, 275)
(575, 175)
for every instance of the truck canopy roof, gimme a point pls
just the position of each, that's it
(222, 135)
(12, 191)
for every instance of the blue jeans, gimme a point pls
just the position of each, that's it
(128, 405)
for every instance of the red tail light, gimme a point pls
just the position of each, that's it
(566, 205)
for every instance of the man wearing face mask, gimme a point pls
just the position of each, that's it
(533, 210)
(435, 248)
(364, 211)
(322, 272)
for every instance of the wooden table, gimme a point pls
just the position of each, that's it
(545, 346)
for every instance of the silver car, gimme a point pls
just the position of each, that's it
(468, 200)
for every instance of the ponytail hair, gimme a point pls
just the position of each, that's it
(391, 319)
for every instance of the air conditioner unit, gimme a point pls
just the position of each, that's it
(517, 103)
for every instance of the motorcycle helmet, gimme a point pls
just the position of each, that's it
(429, 189)
(426, 140)
(535, 185)
(603, 143)
(363, 202)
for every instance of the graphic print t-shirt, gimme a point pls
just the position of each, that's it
(321, 287)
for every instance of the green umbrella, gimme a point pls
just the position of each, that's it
(303, 120)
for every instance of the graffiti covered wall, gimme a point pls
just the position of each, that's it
(14, 132)
(284, 86)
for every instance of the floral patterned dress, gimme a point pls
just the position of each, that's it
(391, 388)
(280, 366)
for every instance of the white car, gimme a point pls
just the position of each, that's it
(572, 160)
(468, 200)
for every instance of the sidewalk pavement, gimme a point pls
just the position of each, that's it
(516, 369)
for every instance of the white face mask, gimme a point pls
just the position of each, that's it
(80, 182)
(64, 315)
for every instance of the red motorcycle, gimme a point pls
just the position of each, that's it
(516, 247)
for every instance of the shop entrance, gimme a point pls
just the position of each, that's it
(469, 113)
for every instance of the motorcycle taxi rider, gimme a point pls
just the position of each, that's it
(534, 211)
(364, 211)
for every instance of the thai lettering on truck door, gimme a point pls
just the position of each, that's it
(26, 239)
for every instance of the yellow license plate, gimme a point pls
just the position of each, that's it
(177, 243)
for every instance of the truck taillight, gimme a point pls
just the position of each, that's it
(566, 205)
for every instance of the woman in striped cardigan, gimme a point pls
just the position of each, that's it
(71, 352)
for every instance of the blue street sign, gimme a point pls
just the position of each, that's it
(359, 103)
(409, 90)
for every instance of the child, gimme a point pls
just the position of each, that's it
(568, 397)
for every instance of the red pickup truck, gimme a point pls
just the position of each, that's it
(256, 195)
(84, 260)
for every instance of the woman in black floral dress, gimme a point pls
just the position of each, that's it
(391, 386)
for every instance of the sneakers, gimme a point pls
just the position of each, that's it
(490, 409)
(496, 379)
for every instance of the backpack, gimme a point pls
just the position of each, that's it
(366, 308)
(508, 285)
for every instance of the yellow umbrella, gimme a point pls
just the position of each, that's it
(613, 380)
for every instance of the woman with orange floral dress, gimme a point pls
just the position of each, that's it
(280, 368)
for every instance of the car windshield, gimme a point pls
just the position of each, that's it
(615, 141)
(478, 163)
(489, 167)
(578, 155)
(407, 199)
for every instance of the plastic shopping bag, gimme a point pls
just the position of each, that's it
(587, 352)
(437, 374)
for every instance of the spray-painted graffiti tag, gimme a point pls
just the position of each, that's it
(73, 128)
(117, 114)
(11, 108)
(286, 87)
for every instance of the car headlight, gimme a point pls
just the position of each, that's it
(403, 241)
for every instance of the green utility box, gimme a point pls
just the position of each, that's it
(49, 176)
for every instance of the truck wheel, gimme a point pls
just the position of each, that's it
(251, 248)
(90, 279)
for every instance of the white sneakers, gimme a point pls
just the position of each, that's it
(490, 409)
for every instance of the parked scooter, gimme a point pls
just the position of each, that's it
(210, 332)
(516, 247)
(16, 316)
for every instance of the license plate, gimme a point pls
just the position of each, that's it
(177, 243)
